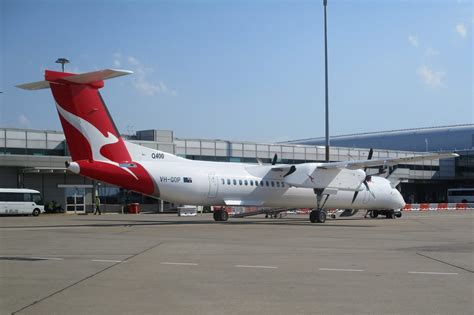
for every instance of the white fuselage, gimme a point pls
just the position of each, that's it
(184, 181)
(190, 182)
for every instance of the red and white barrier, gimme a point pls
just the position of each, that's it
(438, 206)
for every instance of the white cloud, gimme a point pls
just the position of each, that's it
(146, 87)
(413, 40)
(431, 52)
(133, 61)
(24, 122)
(431, 78)
(461, 30)
(141, 79)
(117, 59)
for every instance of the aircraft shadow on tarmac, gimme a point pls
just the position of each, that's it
(128, 223)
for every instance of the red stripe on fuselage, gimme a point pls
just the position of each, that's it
(119, 176)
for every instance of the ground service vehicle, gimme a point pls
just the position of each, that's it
(20, 201)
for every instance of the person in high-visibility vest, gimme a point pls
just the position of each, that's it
(97, 205)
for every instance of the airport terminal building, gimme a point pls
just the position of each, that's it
(36, 159)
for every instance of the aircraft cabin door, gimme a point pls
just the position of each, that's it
(212, 186)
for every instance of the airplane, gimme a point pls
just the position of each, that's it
(100, 153)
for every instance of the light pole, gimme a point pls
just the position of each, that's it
(62, 61)
(325, 3)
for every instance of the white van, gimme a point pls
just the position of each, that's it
(20, 201)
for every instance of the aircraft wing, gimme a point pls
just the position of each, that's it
(385, 162)
(346, 175)
(334, 176)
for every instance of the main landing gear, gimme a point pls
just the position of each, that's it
(318, 215)
(220, 215)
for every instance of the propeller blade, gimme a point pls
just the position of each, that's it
(291, 171)
(369, 157)
(275, 157)
(355, 196)
(367, 186)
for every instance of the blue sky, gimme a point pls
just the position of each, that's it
(246, 70)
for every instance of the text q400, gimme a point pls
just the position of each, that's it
(157, 156)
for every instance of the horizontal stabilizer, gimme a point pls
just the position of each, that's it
(34, 85)
(83, 78)
(89, 77)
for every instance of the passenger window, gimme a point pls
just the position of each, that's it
(228, 181)
(246, 182)
(26, 197)
(223, 181)
(282, 184)
(235, 182)
(251, 182)
(278, 184)
(266, 183)
(240, 182)
(273, 184)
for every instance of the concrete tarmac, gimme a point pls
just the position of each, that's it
(422, 263)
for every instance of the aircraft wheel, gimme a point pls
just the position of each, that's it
(374, 214)
(224, 216)
(216, 215)
(318, 216)
(390, 215)
(321, 218)
(333, 216)
(398, 214)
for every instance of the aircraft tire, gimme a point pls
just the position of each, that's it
(224, 216)
(374, 214)
(390, 214)
(321, 218)
(318, 216)
(216, 215)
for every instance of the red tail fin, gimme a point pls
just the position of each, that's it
(90, 131)
(92, 137)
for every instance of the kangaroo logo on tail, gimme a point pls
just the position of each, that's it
(96, 148)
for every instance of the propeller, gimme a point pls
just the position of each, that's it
(275, 157)
(367, 178)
